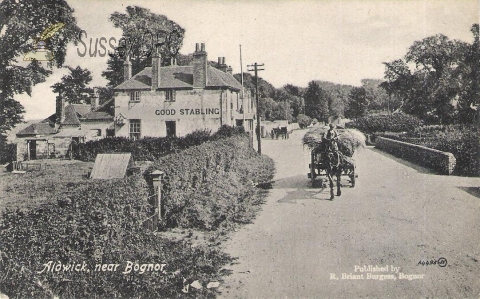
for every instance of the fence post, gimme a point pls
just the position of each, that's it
(157, 177)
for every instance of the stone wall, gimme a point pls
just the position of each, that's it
(442, 162)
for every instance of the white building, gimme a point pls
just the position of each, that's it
(176, 100)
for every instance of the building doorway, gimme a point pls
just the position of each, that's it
(171, 128)
(239, 123)
(32, 150)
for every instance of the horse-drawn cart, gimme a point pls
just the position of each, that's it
(318, 165)
(332, 162)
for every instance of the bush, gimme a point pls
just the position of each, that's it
(8, 151)
(212, 185)
(149, 148)
(461, 141)
(227, 131)
(98, 222)
(398, 122)
(464, 145)
(303, 121)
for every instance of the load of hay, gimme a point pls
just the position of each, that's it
(349, 140)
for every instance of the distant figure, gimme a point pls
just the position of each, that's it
(332, 138)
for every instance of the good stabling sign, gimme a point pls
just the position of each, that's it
(188, 111)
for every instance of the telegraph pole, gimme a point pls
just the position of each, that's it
(256, 69)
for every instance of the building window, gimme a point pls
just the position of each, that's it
(135, 96)
(135, 129)
(170, 95)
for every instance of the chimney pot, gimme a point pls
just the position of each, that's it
(197, 47)
(219, 61)
(156, 64)
(127, 69)
(94, 101)
(200, 67)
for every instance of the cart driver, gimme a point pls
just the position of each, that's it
(332, 138)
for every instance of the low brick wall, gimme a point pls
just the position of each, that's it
(442, 162)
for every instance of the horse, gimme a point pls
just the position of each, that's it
(333, 167)
(280, 131)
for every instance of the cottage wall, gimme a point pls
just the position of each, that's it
(192, 109)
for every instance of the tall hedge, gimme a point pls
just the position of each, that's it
(98, 222)
(150, 148)
(213, 184)
(397, 122)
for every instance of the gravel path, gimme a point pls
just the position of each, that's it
(397, 215)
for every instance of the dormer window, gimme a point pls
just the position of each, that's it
(170, 95)
(135, 96)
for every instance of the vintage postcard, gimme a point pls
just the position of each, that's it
(239, 149)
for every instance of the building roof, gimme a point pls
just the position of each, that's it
(179, 77)
(43, 128)
(82, 109)
(98, 115)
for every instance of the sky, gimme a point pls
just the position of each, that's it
(340, 41)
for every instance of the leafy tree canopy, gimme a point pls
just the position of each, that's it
(442, 85)
(20, 22)
(73, 86)
(142, 30)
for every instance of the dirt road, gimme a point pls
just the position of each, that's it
(396, 216)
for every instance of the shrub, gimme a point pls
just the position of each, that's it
(8, 152)
(149, 148)
(227, 131)
(464, 145)
(98, 222)
(461, 141)
(212, 185)
(303, 121)
(398, 122)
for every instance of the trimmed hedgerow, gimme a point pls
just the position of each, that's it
(461, 141)
(97, 223)
(150, 148)
(397, 122)
(213, 185)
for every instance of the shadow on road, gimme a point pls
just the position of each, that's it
(475, 191)
(418, 168)
(300, 188)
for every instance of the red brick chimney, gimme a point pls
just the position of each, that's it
(156, 64)
(127, 69)
(200, 66)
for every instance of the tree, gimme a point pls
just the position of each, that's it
(266, 107)
(358, 104)
(265, 89)
(73, 87)
(433, 87)
(19, 22)
(316, 102)
(293, 90)
(142, 30)
(468, 74)
(282, 111)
